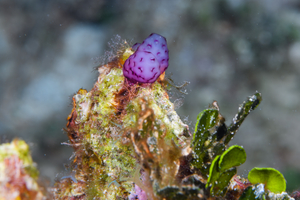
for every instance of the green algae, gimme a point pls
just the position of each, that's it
(232, 157)
(223, 168)
(272, 178)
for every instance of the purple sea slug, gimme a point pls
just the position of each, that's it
(149, 61)
(142, 67)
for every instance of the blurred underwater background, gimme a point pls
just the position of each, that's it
(225, 49)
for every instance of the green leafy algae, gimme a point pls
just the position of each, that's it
(272, 178)
(233, 156)
(223, 168)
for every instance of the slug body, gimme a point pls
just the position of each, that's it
(149, 61)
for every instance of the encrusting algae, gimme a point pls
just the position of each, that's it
(122, 131)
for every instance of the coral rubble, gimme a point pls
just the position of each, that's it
(18, 173)
(122, 132)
